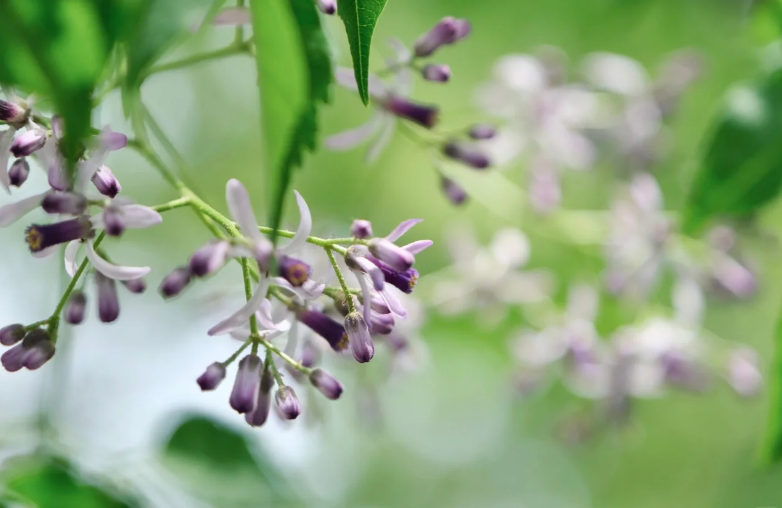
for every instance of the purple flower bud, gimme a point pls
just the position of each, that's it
(68, 203)
(361, 229)
(40, 237)
(106, 183)
(381, 324)
(12, 113)
(56, 176)
(327, 6)
(396, 257)
(108, 301)
(135, 286)
(295, 271)
(358, 335)
(482, 131)
(38, 347)
(423, 115)
(327, 385)
(405, 280)
(290, 407)
(212, 377)
(447, 31)
(437, 73)
(320, 323)
(28, 143)
(113, 221)
(209, 258)
(110, 140)
(11, 334)
(244, 395)
(453, 191)
(175, 282)
(13, 359)
(19, 172)
(260, 413)
(76, 308)
(467, 153)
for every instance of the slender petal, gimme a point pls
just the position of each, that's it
(71, 250)
(242, 315)
(387, 129)
(310, 290)
(238, 200)
(114, 271)
(393, 304)
(402, 228)
(140, 217)
(12, 212)
(5, 153)
(305, 226)
(366, 295)
(418, 246)
(351, 138)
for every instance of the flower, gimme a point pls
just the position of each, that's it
(447, 31)
(35, 349)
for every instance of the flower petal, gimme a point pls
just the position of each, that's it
(12, 212)
(418, 246)
(615, 73)
(264, 314)
(387, 130)
(367, 297)
(304, 229)
(45, 253)
(242, 333)
(6, 138)
(238, 200)
(402, 228)
(310, 290)
(393, 303)
(241, 316)
(233, 16)
(313, 289)
(139, 216)
(111, 271)
(350, 138)
(71, 250)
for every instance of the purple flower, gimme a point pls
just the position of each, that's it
(247, 385)
(40, 237)
(12, 113)
(358, 336)
(453, 191)
(175, 282)
(396, 257)
(135, 286)
(356, 258)
(106, 183)
(11, 334)
(212, 377)
(361, 229)
(447, 31)
(67, 203)
(295, 271)
(327, 6)
(108, 301)
(467, 153)
(482, 131)
(326, 327)
(436, 73)
(327, 385)
(405, 280)
(260, 413)
(288, 403)
(19, 172)
(209, 258)
(423, 115)
(28, 143)
(35, 350)
(76, 307)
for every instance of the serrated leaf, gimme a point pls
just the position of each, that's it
(742, 169)
(360, 18)
(294, 74)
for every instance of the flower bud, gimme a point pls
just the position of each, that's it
(175, 282)
(361, 229)
(466, 154)
(19, 172)
(12, 113)
(482, 131)
(42, 236)
(106, 183)
(447, 31)
(135, 286)
(356, 260)
(403, 280)
(244, 396)
(323, 325)
(290, 407)
(258, 416)
(437, 73)
(38, 347)
(67, 203)
(209, 258)
(75, 308)
(28, 143)
(358, 335)
(295, 271)
(327, 6)
(212, 377)
(11, 334)
(453, 191)
(58, 180)
(396, 257)
(327, 385)
(423, 115)
(113, 221)
(108, 301)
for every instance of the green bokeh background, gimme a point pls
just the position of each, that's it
(453, 435)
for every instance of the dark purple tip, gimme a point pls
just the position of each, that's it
(43, 236)
(209, 258)
(135, 286)
(106, 183)
(323, 325)
(244, 395)
(19, 172)
(358, 335)
(76, 308)
(467, 154)
(258, 416)
(290, 407)
(421, 114)
(453, 191)
(326, 384)
(447, 31)
(11, 334)
(405, 280)
(68, 203)
(113, 221)
(212, 377)
(175, 282)
(108, 301)
(12, 113)
(437, 73)
(38, 349)
(28, 143)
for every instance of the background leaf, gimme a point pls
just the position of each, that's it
(772, 449)
(360, 18)
(742, 169)
(294, 74)
(217, 464)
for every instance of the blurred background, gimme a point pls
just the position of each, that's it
(449, 429)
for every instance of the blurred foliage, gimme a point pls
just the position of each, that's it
(216, 463)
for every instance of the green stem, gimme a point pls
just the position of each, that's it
(234, 49)
(234, 356)
(248, 293)
(342, 283)
(282, 354)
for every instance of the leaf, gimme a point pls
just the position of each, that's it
(51, 483)
(217, 463)
(772, 449)
(742, 168)
(360, 18)
(294, 74)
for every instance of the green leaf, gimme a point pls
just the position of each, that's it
(294, 74)
(360, 18)
(772, 449)
(51, 483)
(217, 464)
(742, 168)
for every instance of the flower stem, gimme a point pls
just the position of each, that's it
(342, 283)
(248, 293)
(234, 356)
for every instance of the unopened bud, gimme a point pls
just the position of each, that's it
(288, 403)
(28, 143)
(212, 377)
(175, 282)
(19, 172)
(453, 191)
(106, 183)
(68, 203)
(361, 229)
(358, 336)
(447, 31)
(436, 73)
(11, 334)
(482, 131)
(326, 384)
(75, 308)
(467, 153)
